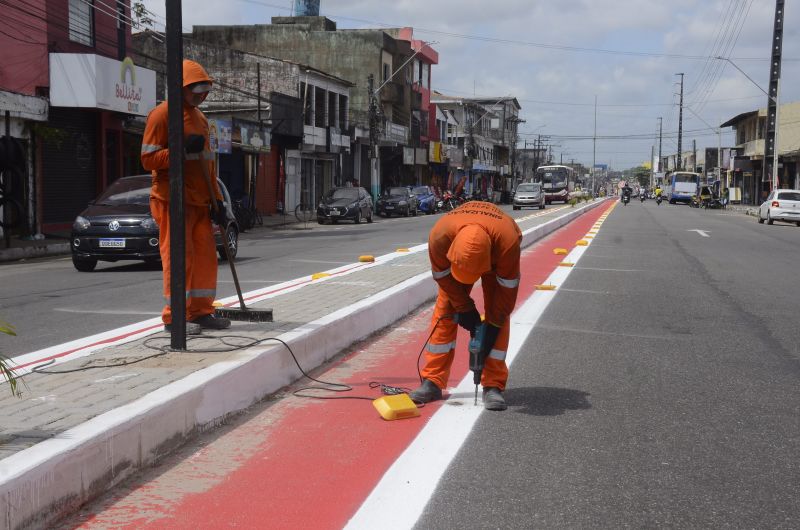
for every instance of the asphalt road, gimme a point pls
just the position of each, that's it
(49, 302)
(661, 388)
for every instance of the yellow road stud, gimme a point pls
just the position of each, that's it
(366, 259)
(217, 303)
(566, 264)
(560, 251)
(402, 250)
(318, 275)
(581, 242)
(545, 287)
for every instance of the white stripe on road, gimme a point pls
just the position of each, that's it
(414, 475)
(106, 311)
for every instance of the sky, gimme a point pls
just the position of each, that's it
(556, 56)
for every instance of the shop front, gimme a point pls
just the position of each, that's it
(86, 144)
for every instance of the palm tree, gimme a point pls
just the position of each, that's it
(5, 369)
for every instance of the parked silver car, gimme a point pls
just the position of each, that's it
(781, 205)
(529, 195)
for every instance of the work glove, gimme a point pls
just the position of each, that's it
(489, 338)
(194, 143)
(469, 319)
(220, 216)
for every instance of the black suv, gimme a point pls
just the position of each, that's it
(353, 204)
(397, 200)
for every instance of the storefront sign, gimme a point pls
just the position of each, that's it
(408, 156)
(219, 136)
(94, 81)
(435, 154)
(250, 137)
(421, 156)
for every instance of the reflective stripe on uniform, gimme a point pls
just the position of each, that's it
(441, 348)
(201, 293)
(440, 275)
(510, 284)
(500, 355)
(150, 148)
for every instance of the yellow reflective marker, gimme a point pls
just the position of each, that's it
(581, 242)
(217, 303)
(318, 275)
(402, 250)
(566, 264)
(545, 287)
(560, 251)
(396, 407)
(366, 259)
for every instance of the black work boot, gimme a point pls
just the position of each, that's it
(427, 392)
(212, 322)
(493, 399)
(191, 328)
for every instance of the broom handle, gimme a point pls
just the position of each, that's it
(224, 232)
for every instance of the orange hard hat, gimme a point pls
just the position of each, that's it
(470, 254)
(193, 74)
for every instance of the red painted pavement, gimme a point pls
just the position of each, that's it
(310, 463)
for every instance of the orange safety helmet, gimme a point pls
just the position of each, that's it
(193, 73)
(470, 254)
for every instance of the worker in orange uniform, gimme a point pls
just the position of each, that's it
(475, 241)
(201, 255)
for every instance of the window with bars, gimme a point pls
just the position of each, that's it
(81, 22)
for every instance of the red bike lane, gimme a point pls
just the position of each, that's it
(308, 463)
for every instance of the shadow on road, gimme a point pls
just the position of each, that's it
(546, 401)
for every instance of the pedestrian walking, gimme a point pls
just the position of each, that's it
(201, 256)
(475, 241)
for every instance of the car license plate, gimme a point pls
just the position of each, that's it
(112, 243)
(334, 212)
(390, 207)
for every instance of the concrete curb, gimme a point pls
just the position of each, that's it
(34, 251)
(55, 477)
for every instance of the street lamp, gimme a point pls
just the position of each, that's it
(775, 136)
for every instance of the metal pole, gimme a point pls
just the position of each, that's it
(679, 161)
(594, 145)
(177, 250)
(775, 148)
(660, 120)
(258, 90)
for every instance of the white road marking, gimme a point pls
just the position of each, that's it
(703, 233)
(609, 270)
(320, 261)
(106, 311)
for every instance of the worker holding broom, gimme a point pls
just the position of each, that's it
(201, 256)
(475, 241)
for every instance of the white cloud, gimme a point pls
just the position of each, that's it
(535, 74)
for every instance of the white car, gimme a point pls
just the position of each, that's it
(781, 205)
(529, 194)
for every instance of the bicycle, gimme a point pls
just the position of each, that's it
(304, 213)
(244, 216)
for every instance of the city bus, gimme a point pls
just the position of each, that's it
(557, 182)
(681, 185)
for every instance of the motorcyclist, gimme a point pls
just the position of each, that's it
(658, 191)
(627, 191)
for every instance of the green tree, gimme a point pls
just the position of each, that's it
(141, 15)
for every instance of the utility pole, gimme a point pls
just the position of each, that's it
(594, 144)
(679, 161)
(659, 143)
(771, 146)
(694, 155)
(373, 137)
(177, 235)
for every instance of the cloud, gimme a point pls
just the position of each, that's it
(572, 79)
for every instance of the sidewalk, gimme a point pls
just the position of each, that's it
(78, 433)
(58, 244)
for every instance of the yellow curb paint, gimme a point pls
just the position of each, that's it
(581, 242)
(319, 275)
(366, 259)
(560, 251)
(545, 287)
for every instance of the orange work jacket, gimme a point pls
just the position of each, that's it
(502, 280)
(155, 156)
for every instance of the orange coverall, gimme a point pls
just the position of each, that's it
(201, 252)
(500, 286)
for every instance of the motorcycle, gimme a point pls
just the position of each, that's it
(448, 201)
(658, 200)
(642, 197)
(625, 199)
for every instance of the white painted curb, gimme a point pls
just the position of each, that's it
(55, 477)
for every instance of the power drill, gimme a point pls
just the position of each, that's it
(476, 360)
